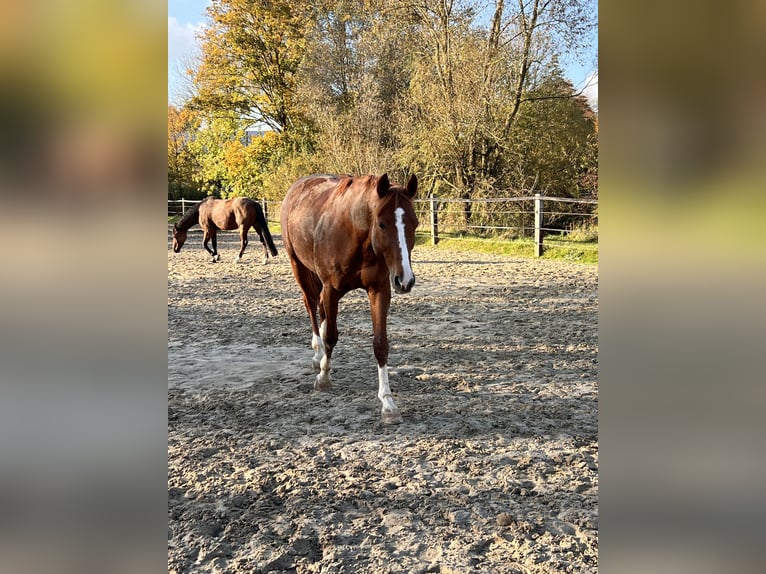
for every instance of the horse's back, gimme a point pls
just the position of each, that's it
(310, 188)
(229, 214)
(304, 203)
(307, 203)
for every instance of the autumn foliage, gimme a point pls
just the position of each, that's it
(470, 97)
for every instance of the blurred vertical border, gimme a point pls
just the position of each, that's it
(682, 326)
(83, 323)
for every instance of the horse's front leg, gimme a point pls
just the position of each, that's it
(328, 333)
(380, 300)
(206, 239)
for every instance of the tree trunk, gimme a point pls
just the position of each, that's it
(528, 26)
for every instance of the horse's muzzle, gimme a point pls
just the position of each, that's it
(399, 287)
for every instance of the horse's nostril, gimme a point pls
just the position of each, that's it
(403, 287)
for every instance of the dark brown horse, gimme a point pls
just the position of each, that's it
(343, 233)
(215, 214)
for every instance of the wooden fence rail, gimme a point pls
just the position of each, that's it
(535, 216)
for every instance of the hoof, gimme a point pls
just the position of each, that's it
(322, 383)
(391, 417)
(322, 386)
(265, 260)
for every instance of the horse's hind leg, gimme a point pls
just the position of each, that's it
(263, 242)
(214, 237)
(243, 242)
(328, 331)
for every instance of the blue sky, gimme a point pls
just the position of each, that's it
(185, 17)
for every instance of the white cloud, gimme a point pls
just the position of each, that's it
(590, 90)
(181, 39)
(182, 48)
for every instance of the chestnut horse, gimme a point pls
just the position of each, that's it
(214, 214)
(344, 233)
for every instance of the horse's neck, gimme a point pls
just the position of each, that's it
(361, 210)
(189, 219)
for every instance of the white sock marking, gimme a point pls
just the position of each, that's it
(323, 378)
(407, 275)
(384, 391)
(318, 346)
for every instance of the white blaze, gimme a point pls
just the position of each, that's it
(407, 275)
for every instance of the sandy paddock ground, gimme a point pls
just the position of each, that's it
(495, 468)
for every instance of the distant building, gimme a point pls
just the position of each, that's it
(253, 132)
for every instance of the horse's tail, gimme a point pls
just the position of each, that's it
(261, 221)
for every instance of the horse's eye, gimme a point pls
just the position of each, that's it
(382, 225)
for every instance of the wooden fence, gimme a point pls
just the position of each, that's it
(534, 217)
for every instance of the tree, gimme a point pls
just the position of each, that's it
(471, 81)
(247, 161)
(552, 141)
(211, 146)
(355, 72)
(468, 95)
(235, 161)
(182, 163)
(251, 51)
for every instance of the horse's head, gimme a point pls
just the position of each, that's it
(179, 238)
(393, 230)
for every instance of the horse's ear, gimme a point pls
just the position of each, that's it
(175, 227)
(412, 185)
(383, 185)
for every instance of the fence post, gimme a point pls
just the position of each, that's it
(434, 221)
(538, 225)
(265, 207)
(183, 206)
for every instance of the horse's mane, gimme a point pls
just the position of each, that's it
(368, 182)
(191, 217)
(396, 195)
(344, 184)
